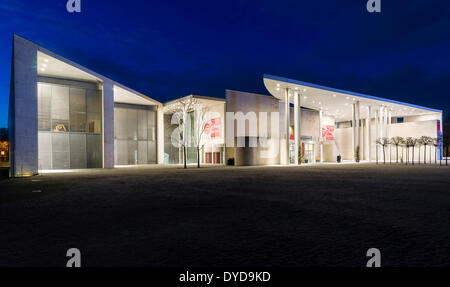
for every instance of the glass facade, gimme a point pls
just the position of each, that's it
(134, 134)
(173, 154)
(70, 126)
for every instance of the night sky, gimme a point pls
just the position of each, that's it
(168, 49)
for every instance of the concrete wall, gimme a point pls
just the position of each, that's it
(423, 126)
(415, 130)
(344, 142)
(248, 102)
(23, 123)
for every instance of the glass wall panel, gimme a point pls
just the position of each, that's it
(44, 107)
(63, 113)
(132, 152)
(45, 150)
(142, 125)
(151, 123)
(77, 110)
(94, 111)
(60, 109)
(94, 151)
(151, 134)
(171, 153)
(60, 151)
(121, 152)
(78, 151)
(132, 124)
(151, 153)
(142, 152)
(120, 123)
(134, 134)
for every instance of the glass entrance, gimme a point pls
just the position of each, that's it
(308, 152)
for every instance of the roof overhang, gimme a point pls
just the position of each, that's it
(50, 64)
(338, 103)
(125, 95)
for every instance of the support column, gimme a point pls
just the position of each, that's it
(369, 134)
(160, 135)
(358, 128)
(297, 122)
(287, 123)
(386, 122)
(377, 134)
(320, 136)
(389, 126)
(23, 109)
(381, 119)
(353, 131)
(108, 124)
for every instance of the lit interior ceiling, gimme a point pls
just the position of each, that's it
(52, 67)
(338, 103)
(125, 96)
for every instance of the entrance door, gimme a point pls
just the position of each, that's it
(308, 152)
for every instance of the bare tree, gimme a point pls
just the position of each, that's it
(201, 118)
(181, 110)
(397, 141)
(384, 142)
(426, 141)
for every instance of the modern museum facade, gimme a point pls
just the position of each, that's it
(65, 116)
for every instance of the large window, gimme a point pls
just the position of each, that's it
(70, 126)
(134, 134)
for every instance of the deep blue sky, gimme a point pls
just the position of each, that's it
(167, 49)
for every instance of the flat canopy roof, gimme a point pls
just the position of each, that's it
(338, 103)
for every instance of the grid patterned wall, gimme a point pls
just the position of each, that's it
(134, 134)
(70, 126)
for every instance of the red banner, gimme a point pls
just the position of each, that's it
(328, 133)
(212, 128)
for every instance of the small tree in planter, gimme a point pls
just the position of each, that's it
(300, 156)
(384, 142)
(419, 143)
(426, 141)
(413, 145)
(408, 143)
(357, 157)
(397, 141)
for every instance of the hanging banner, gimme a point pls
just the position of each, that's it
(212, 128)
(328, 133)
